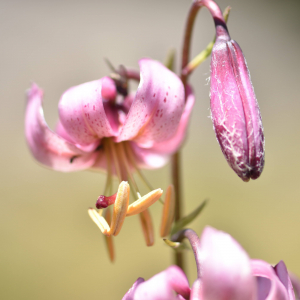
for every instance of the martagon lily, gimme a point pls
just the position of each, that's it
(103, 126)
(225, 272)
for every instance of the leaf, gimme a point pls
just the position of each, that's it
(189, 218)
(169, 63)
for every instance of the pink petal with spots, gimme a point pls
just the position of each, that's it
(157, 108)
(171, 145)
(82, 113)
(48, 147)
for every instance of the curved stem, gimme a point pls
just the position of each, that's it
(194, 240)
(220, 24)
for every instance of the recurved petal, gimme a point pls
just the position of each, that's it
(164, 285)
(157, 108)
(48, 147)
(226, 269)
(149, 158)
(269, 287)
(175, 142)
(82, 113)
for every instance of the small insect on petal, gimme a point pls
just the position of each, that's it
(144, 202)
(168, 212)
(147, 227)
(99, 221)
(120, 208)
(109, 239)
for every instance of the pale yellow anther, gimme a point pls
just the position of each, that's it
(143, 203)
(119, 212)
(99, 220)
(120, 208)
(147, 227)
(109, 239)
(168, 212)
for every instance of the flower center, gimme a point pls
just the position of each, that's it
(121, 162)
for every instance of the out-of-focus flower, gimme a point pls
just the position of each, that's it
(163, 286)
(228, 273)
(234, 108)
(225, 272)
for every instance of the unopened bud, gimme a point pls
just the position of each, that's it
(234, 108)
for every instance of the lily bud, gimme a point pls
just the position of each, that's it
(234, 108)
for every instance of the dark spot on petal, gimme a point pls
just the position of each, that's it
(72, 158)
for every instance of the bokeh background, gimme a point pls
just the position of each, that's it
(50, 249)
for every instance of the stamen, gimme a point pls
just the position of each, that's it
(127, 166)
(133, 163)
(104, 201)
(115, 159)
(147, 227)
(108, 183)
(99, 220)
(109, 239)
(168, 212)
(120, 208)
(143, 203)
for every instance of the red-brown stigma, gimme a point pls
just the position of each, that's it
(104, 201)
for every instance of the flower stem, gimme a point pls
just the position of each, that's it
(176, 179)
(193, 238)
(220, 28)
(220, 24)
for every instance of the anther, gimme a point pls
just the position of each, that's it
(168, 212)
(147, 226)
(143, 203)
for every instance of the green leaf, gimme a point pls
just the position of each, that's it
(189, 218)
(169, 62)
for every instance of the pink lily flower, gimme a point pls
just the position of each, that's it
(225, 272)
(234, 108)
(102, 126)
(151, 124)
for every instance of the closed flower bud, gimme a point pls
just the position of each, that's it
(234, 108)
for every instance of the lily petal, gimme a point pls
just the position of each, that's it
(130, 294)
(175, 142)
(48, 147)
(226, 269)
(157, 108)
(149, 158)
(283, 275)
(163, 285)
(269, 286)
(82, 113)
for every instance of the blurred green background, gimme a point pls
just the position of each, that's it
(50, 249)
